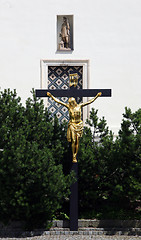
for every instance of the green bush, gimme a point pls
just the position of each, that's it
(32, 183)
(34, 165)
(110, 170)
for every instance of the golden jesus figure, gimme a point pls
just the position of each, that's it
(75, 126)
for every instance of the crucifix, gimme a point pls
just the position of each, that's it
(75, 129)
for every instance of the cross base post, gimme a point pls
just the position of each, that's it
(74, 200)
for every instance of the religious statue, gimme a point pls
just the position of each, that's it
(65, 34)
(75, 126)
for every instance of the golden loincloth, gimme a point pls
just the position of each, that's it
(76, 128)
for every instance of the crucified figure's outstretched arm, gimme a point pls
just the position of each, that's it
(56, 99)
(91, 100)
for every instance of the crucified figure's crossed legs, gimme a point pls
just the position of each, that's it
(75, 146)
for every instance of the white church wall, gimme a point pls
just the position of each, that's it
(107, 32)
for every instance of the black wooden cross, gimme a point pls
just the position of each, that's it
(73, 92)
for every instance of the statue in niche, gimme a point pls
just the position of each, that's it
(65, 35)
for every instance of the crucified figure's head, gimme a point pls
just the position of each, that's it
(72, 102)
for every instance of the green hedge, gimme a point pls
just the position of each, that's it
(34, 165)
(110, 169)
(32, 183)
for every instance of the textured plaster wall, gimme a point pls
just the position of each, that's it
(107, 32)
